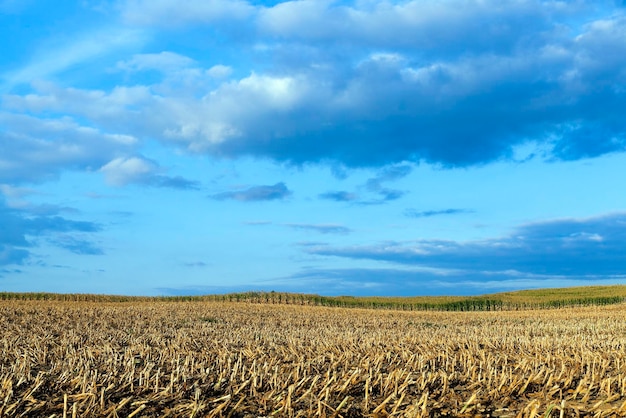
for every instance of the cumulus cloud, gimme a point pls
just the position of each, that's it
(122, 171)
(590, 247)
(420, 24)
(172, 74)
(370, 84)
(278, 191)
(37, 149)
(219, 71)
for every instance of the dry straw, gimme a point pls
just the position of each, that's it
(216, 359)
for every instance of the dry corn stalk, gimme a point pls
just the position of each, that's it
(227, 359)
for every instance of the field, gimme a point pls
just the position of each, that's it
(524, 299)
(147, 358)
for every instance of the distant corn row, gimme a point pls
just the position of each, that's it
(459, 304)
(215, 359)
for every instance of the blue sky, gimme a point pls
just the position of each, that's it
(337, 147)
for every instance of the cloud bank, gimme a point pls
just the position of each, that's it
(592, 247)
(22, 229)
(362, 84)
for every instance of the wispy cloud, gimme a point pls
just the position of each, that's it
(16, 192)
(176, 182)
(257, 223)
(387, 174)
(57, 58)
(196, 264)
(57, 224)
(77, 245)
(19, 226)
(277, 191)
(339, 196)
(15, 198)
(11, 255)
(414, 213)
(165, 61)
(374, 191)
(321, 228)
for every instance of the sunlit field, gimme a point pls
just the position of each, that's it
(220, 359)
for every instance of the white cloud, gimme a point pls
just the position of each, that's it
(233, 110)
(36, 149)
(277, 92)
(362, 101)
(121, 107)
(14, 196)
(424, 24)
(219, 71)
(122, 171)
(15, 192)
(302, 18)
(164, 61)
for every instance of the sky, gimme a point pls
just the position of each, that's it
(366, 147)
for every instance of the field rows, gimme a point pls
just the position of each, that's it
(246, 360)
(519, 300)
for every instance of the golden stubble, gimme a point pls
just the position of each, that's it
(216, 359)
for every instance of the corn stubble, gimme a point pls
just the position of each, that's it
(149, 359)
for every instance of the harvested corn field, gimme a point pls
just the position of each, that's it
(216, 359)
